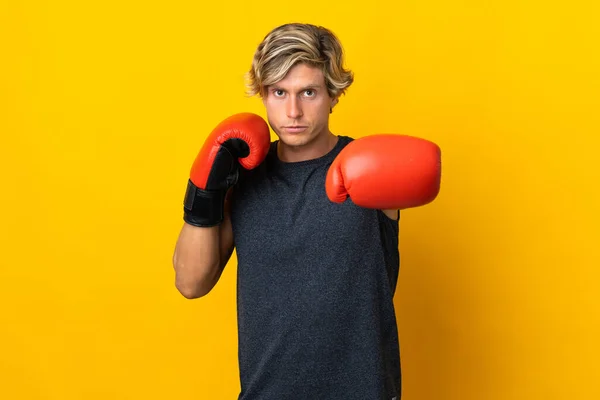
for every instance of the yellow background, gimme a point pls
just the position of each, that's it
(104, 105)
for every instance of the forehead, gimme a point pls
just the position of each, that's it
(301, 76)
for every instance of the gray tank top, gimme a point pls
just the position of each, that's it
(315, 286)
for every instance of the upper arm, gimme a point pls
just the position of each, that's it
(226, 243)
(393, 214)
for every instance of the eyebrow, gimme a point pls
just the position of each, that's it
(311, 86)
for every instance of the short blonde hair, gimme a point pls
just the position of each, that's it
(293, 43)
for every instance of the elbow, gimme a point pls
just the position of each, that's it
(191, 292)
(193, 286)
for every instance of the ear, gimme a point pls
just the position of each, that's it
(334, 101)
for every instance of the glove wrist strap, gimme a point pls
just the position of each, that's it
(203, 208)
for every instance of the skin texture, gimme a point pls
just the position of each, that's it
(301, 99)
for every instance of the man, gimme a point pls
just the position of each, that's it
(314, 219)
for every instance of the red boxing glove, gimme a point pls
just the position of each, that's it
(242, 139)
(386, 172)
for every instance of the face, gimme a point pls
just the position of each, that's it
(298, 106)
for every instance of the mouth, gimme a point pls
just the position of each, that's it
(295, 128)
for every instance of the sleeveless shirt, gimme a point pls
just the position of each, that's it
(315, 287)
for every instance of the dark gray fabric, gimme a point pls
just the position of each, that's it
(315, 288)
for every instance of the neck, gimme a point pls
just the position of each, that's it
(314, 149)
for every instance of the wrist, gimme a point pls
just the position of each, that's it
(203, 208)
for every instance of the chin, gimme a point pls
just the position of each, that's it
(295, 140)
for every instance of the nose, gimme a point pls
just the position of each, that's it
(293, 109)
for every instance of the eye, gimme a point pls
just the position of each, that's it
(278, 92)
(310, 93)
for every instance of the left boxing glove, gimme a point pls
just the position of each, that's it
(386, 171)
(240, 140)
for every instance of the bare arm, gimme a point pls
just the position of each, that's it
(201, 255)
(392, 213)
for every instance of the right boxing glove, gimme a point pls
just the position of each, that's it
(242, 139)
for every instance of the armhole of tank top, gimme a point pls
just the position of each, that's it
(390, 240)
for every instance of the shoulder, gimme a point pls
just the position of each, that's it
(344, 140)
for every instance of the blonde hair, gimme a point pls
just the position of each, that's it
(293, 43)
